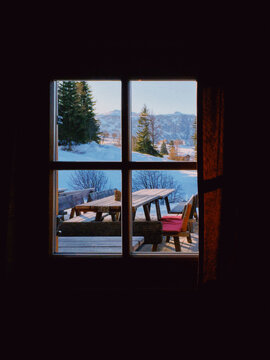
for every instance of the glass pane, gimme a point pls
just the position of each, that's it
(88, 212)
(89, 120)
(164, 120)
(157, 194)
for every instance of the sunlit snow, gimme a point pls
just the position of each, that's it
(108, 152)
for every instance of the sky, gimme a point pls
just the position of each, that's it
(161, 97)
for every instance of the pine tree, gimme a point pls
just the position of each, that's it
(154, 129)
(144, 144)
(76, 107)
(88, 123)
(163, 149)
(133, 142)
(68, 109)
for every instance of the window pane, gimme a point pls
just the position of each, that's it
(89, 120)
(159, 193)
(88, 214)
(164, 120)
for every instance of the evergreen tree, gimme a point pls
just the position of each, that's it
(88, 123)
(163, 149)
(154, 129)
(68, 109)
(144, 144)
(76, 107)
(133, 142)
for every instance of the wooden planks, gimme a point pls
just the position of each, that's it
(111, 244)
(109, 205)
(146, 196)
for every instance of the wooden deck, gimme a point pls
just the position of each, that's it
(94, 245)
(164, 247)
(113, 245)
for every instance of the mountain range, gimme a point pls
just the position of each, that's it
(176, 126)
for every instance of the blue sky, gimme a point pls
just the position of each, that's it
(161, 97)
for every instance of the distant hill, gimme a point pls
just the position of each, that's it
(173, 126)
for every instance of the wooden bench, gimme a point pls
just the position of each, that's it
(150, 230)
(90, 215)
(84, 192)
(68, 202)
(107, 244)
(73, 198)
(100, 194)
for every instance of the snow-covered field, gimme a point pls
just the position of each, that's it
(109, 152)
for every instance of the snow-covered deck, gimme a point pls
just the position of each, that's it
(88, 245)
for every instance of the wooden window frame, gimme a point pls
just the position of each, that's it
(126, 165)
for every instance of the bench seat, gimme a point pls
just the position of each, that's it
(85, 217)
(95, 244)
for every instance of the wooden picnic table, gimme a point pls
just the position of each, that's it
(144, 197)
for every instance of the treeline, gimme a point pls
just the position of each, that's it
(149, 131)
(76, 117)
(146, 140)
(77, 123)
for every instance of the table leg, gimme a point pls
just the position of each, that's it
(158, 209)
(146, 212)
(167, 205)
(72, 213)
(98, 216)
(113, 215)
(133, 214)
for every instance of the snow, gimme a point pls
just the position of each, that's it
(109, 152)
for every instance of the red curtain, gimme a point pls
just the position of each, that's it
(212, 178)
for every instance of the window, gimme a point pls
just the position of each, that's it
(123, 156)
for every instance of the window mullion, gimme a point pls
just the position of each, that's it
(53, 122)
(126, 180)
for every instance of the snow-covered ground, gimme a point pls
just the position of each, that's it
(108, 152)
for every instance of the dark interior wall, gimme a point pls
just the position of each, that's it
(220, 49)
(26, 260)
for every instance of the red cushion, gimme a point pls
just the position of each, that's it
(173, 225)
(171, 217)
